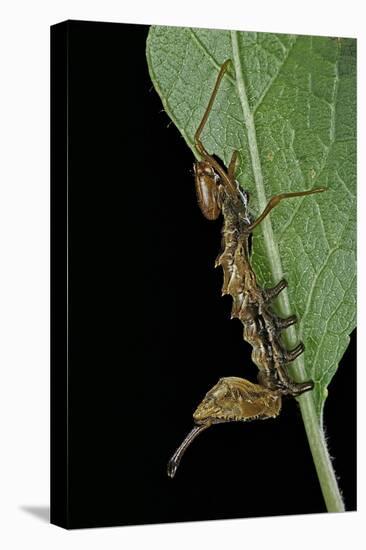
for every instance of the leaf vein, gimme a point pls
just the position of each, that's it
(312, 288)
(274, 77)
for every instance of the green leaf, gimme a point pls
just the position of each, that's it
(288, 106)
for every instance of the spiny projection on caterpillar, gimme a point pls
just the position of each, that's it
(235, 399)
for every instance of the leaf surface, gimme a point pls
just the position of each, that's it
(288, 105)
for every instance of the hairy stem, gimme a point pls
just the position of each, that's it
(314, 432)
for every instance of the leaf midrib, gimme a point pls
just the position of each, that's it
(270, 243)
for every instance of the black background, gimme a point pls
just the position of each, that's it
(149, 332)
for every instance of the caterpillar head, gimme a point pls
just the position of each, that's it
(232, 399)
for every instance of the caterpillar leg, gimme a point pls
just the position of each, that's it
(281, 382)
(271, 293)
(200, 148)
(297, 388)
(293, 354)
(287, 322)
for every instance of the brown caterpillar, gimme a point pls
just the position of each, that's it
(236, 399)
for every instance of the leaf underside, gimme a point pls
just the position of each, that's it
(288, 105)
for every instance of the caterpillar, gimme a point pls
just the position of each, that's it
(235, 399)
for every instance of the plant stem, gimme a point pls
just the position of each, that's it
(327, 479)
(314, 431)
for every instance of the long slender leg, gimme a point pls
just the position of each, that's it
(232, 165)
(200, 148)
(278, 198)
(197, 136)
